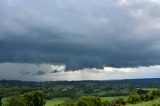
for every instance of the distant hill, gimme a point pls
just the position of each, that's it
(151, 82)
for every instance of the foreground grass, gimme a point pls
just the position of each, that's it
(112, 98)
(149, 89)
(148, 103)
(59, 100)
(55, 101)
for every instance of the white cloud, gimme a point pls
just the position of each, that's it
(123, 2)
(155, 1)
(17, 71)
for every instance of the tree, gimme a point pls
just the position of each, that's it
(1, 100)
(35, 98)
(28, 97)
(89, 101)
(120, 101)
(156, 93)
(82, 103)
(106, 103)
(134, 98)
(38, 98)
(16, 101)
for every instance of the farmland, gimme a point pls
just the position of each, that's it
(146, 91)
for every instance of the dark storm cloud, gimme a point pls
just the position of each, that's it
(81, 33)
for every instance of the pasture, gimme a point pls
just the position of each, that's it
(55, 101)
(148, 103)
(59, 100)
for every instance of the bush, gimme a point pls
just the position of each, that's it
(82, 103)
(134, 98)
(146, 97)
(141, 91)
(142, 97)
(116, 102)
(106, 103)
(89, 101)
(67, 103)
(156, 93)
(1, 100)
(120, 101)
(156, 105)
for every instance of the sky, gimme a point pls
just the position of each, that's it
(79, 39)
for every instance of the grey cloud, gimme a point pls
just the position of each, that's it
(39, 72)
(26, 73)
(81, 33)
(54, 71)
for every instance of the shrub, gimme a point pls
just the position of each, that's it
(89, 101)
(120, 101)
(156, 93)
(106, 103)
(133, 98)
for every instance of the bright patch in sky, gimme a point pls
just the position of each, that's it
(43, 72)
(123, 2)
(156, 1)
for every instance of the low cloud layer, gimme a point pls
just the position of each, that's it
(48, 72)
(80, 33)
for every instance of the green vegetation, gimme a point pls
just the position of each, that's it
(56, 101)
(133, 99)
(35, 98)
(113, 97)
(59, 100)
(154, 102)
(93, 101)
(80, 93)
(148, 89)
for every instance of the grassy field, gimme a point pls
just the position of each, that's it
(55, 101)
(59, 100)
(149, 103)
(114, 97)
(149, 89)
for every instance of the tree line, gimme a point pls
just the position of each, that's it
(133, 98)
(35, 98)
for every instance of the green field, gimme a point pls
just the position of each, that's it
(106, 93)
(149, 103)
(60, 100)
(149, 89)
(114, 97)
(55, 101)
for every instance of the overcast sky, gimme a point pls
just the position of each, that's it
(48, 72)
(79, 36)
